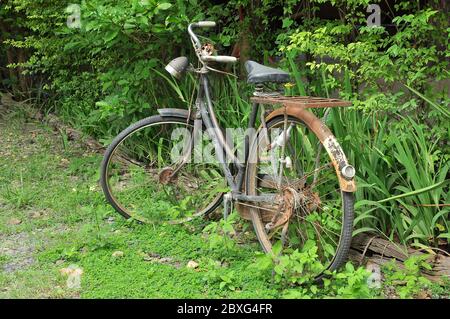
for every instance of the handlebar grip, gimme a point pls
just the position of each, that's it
(219, 58)
(205, 24)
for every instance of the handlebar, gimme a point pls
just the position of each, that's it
(197, 44)
(219, 58)
(204, 24)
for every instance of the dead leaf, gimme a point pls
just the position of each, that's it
(73, 273)
(423, 294)
(14, 221)
(118, 254)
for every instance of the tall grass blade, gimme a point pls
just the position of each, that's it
(296, 72)
(415, 192)
(441, 109)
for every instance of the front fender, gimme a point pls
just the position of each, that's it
(174, 112)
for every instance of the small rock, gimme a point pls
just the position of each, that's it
(192, 264)
(150, 256)
(14, 221)
(374, 281)
(147, 258)
(375, 278)
(117, 254)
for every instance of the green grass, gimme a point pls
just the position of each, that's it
(51, 188)
(53, 191)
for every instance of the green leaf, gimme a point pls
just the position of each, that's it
(349, 267)
(416, 192)
(110, 35)
(164, 6)
(276, 249)
(287, 22)
(278, 269)
(363, 230)
(228, 228)
(314, 289)
(71, 45)
(441, 109)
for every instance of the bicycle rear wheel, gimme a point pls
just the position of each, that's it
(320, 216)
(148, 173)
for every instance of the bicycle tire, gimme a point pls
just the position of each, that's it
(155, 119)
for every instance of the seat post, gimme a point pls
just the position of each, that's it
(259, 90)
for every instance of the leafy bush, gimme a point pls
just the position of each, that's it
(219, 234)
(109, 72)
(396, 134)
(292, 273)
(101, 74)
(408, 282)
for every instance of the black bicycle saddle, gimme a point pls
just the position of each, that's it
(258, 73)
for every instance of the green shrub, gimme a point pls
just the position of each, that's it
(292, 272)
(109, 72)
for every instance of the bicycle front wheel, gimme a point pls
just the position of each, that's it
(148, 173)
(320, 220)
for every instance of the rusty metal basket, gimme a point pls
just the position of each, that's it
(301, 101)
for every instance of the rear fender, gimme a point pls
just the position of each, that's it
(325, 136)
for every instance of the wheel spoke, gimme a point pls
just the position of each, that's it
(148, 178)
(312, 177)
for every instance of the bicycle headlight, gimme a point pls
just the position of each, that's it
(348, 172)
(177, 66)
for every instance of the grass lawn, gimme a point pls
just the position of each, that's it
(53, 215)
(54, 220)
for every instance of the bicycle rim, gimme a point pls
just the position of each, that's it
(319, 228)
(145, 176)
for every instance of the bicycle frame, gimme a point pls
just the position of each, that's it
(282, 193)
(206, 113)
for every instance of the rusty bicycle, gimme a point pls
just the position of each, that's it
(293, 180)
